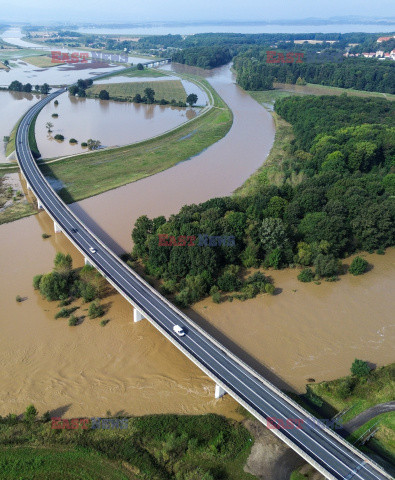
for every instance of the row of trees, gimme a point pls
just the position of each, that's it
(254, 73)
(80, 88)
(16, 86)
(330, 214)
(149, 98)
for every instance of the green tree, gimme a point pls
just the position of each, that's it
(358, 266)
(63, 263)
(49, 126)
(104, 95)
(150, 94)
(360, 368)
(326, 265)
(272, 234)
(192, 98)
(140, 66)
(30, 414)
(45, 88)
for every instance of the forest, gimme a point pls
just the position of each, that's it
(254, 73)
(344, 149)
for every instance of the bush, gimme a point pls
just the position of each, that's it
(360, 368)
(358, 266)
(95, 310)
(73, 141)
(229, 282)
(18, 298)
(55, 115)
(45, 235)
(73, 321)
(103, 323)
(326, 265)
(216, 297)
(59, 137)
(104, 95)
(306, 275)
(380, 251)
(269, 288)
(84, 144)
(65, 312)
(36, 281)
(30, 414)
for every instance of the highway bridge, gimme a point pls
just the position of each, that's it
(316, 443)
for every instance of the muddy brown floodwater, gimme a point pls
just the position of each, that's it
(305, 331)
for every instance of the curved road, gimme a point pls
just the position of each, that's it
(322, 448)
(367, 415)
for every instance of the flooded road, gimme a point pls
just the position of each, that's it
(113, 123)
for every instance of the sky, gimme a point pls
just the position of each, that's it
(106, 11)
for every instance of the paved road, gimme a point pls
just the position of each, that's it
(325, 450)
(367, 415)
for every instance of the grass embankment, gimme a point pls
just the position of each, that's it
(115, 167)
(383, 440)
(271, 172)
(11, 143)
(41, 61)
(167, 89)
(14, 53)
(158, 447)
(377, 387)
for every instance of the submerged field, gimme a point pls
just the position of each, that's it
(167, 89)
(115, 167)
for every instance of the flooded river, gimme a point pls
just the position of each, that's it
(307, 331)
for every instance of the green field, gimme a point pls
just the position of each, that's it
(383, 441)
(377, 387)
(167, 89)
(115, 167)
(153, 447)
(41, 61)
(147, 72)
(268, 97)
(58, 464)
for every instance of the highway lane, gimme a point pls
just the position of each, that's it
(329, 451)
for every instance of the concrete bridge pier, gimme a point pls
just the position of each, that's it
(39, 204)
(219, 391)
(28, 186)
(137, 315)
(87, 262)
(56, 227)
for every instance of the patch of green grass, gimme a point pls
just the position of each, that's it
(11, 143)
(377, 387)
(383, 441)
(115, 167)
(167, 89)
(16, 211)
(43, 463)
(41, 61)
(32, 138)
(147, 72)
(315, 89)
